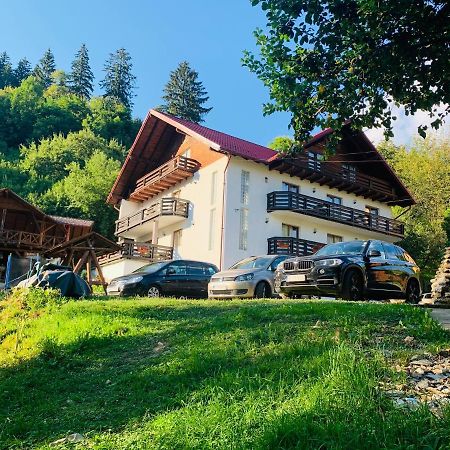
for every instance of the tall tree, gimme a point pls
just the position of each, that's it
(119, 81)
(81, 77)
(44, 69)
(6, 72)
(184, 95)
(282, 144)
(332, 60)
(22, 71)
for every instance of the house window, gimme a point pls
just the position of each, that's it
(333, 238)
(372, 211)
(334, 199)
(314, 161)
(288, 187)
(245, 178)
(289, 231)
(243, 229)
(213, 187)
(212, 227)
(349, 172)
(176, 239)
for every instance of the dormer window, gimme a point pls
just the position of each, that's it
(314, 160)
(349, 172)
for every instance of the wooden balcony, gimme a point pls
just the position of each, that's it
(302, 204)
(292, 246)
(28, 240)
(166, 207)
(336, 175)
(164, 177)
(139, 250)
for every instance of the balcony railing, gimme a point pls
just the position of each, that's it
(302, 204)
(139, 250)
(292, 246)
(29, 240)
(336, 175)
(164, 177)
(165, 207)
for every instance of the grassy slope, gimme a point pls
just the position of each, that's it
(143, 373)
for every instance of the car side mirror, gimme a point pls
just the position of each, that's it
(170, 271)
(373, 254)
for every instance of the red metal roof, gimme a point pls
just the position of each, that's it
(234, 145)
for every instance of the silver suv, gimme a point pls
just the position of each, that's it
(251, 277)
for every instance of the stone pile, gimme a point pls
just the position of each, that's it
(428, 383)
(440, 284)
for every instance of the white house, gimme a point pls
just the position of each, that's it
(186, 191)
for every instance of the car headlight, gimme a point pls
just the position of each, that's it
(246, 277)
(131, 280)
(329, 262)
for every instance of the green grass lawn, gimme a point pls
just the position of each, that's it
(172, 374)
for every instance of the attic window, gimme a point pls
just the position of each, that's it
(349, 172)
(314, 161)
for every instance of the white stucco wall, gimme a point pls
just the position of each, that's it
(263, 225)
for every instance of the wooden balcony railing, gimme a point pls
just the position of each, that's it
(311, 206)
(165, 207)
(292, 246)
(139, 250)
(164, 177)
(337, 175)
(29, 240)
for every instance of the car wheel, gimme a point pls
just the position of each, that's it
(262, 290)
(352, 288)
(154, 291)
(413, 292)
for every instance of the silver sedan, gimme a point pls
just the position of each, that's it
(251, 277)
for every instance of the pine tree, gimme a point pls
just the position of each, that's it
(184, 95)
(6, 73)
(119, 82)
(44, 69)
(81, 77)
(22, 71)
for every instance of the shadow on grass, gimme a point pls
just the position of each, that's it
(101, 383)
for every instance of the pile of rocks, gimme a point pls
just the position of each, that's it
(440, 284)
(428, 382)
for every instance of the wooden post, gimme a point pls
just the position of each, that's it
(81, 262)
(99, 270)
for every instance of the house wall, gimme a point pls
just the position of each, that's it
(263, 225)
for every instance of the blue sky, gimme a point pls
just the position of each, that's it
(210, 34)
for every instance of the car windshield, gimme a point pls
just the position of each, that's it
(255, 262)
(343, 248)
(151, 268)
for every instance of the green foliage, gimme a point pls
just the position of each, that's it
(6, 71)
(424, 170)
(83, 191)
(282, 144)
(166, 374)
(329, 61)
(44, 69)
(111, 119)
(119, 82)
(81, 76)
(22, 71)
(184, 95)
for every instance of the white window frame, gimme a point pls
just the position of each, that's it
(243, 229)
(287, 229)
(213, 187)
(245, 182)
(212, 228)
(334, 238)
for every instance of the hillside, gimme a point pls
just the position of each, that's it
(150, 373)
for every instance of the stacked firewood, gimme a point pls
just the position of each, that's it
(440, 284)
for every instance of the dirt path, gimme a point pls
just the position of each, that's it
(442, 316)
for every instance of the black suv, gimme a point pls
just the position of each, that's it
(181, 278)
(352, 270)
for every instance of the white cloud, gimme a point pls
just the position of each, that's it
(405, 127)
